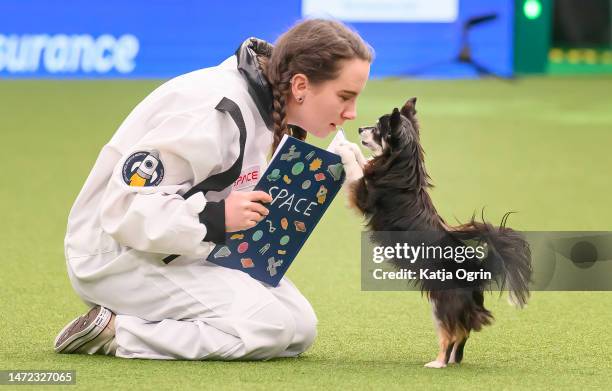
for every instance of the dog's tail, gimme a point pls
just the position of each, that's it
(508, 256)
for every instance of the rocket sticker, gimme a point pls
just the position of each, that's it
(143, 168)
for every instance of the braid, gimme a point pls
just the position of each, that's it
(280, 90)
(279, 83)
(279, 115)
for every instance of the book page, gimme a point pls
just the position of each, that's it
(280, 146)
(339, 138)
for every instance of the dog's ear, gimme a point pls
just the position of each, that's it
(409, 108)
(395, 120)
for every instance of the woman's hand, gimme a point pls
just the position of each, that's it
(243, 210)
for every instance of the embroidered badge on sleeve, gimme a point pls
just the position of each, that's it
(143, 168)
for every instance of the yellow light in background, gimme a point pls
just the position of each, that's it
(590, 56)
(555, 55)
(573, 56)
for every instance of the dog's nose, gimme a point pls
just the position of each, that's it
(360, 130)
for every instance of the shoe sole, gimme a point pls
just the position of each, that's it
(90, 332)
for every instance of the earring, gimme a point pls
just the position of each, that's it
(300, 99)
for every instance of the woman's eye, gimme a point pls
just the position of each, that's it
(344, 98)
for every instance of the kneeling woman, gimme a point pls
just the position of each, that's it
(131, 212)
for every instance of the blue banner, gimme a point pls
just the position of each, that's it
(163, 38)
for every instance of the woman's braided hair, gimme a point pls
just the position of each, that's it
(314, 48)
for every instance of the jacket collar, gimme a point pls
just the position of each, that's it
(258, 85)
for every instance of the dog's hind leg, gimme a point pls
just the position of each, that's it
(457, 353)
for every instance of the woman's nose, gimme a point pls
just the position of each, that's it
(350, 113)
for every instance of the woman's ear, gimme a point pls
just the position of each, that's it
(299, 86)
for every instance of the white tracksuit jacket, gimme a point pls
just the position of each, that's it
(130, 215)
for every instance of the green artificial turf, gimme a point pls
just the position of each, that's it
(539, 146)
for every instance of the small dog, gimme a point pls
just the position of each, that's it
(390, 190)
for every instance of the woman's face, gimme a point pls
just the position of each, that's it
(326, 105)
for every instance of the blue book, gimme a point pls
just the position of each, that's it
(302, 180)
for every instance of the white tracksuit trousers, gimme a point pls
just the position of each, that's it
(195, 310)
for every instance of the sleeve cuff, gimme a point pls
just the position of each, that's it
(213, 217)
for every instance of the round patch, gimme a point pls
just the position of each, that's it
(143, 168)
(284, 240)
(257, 235)
(242, 247)
(306, 184)
(297, 168)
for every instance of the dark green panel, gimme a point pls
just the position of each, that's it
(532, 35)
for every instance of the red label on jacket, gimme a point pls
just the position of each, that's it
(247, 178)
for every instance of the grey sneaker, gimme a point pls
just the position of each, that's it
(92, 333)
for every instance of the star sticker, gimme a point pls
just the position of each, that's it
(315, 164)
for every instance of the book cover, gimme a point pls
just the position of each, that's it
(302, 180)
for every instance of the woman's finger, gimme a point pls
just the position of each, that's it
(259, 208)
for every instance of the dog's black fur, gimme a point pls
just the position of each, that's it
(393, 195)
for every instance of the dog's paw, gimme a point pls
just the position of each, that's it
(358, 154)
(355, 148)
(435, 364)
(346, 153)
(351, 167)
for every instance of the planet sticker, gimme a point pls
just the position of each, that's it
(284, 240)
(297, 168)
(247, 263)
(299, 226)
(242, 247)
(257, 235)
(306, 184)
